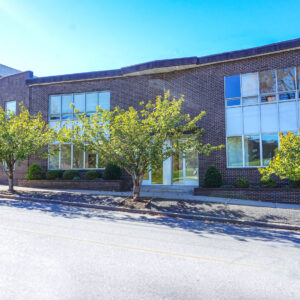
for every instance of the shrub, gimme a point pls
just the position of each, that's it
(76, 178)
(53, 174)
(294, 183)
(227, 186)
(92, 174)
(112, 172)
(213, 177)
(268, 182)
(70, 174)
(242, 183)
(35, 171)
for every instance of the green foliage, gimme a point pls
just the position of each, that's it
(92, 174)
(227, 186)
(22, 135)
(70, 174)
(268, 182)
(242, 183)
(136, 140)
(294, 183)
(54, 174)
(35, 172)
(286, 163)
(254, 186)
(76, 178)
(112, 172)
(213, 177)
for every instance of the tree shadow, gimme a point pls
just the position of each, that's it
(199, 228)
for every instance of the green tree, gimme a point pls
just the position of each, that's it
(22, 135)
(286, 162)
(138, 140)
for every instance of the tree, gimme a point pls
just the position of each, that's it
(22, 135)
(286, 162)
(139, 140)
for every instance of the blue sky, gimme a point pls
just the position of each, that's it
(63, 36)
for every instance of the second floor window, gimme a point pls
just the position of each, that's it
(11, 106)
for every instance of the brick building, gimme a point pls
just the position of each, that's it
(249, 95)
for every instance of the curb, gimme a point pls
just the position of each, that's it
(164, 214)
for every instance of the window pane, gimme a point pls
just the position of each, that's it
(11, 106)
(54, 106)
(78, 157)
(66, 156)
(287, 96)
(251, 120)
(298, 78)
(270, 145)
(79, 102)
(269, 118)
(191, 167)
(288, 116)
(90, 160)
(54, 159)
(157, 176)
(252, 154)
(55, 117)
(234, 121)
(268, 98)
(267, 81)
(233, 102)
(66, 103)
(234, 151)
(286, 79)
(232, 87)
(249, 84)
(91, 101)
(250, 100)
(178, 177)
(104, 100)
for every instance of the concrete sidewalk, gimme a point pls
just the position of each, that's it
(163, 195)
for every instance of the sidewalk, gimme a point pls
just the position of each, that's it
(192, 207)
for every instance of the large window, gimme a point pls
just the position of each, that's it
(67, 107)
(258, 107)
(11, 106)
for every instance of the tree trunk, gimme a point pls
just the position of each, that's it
(136, 189)
(11, 181)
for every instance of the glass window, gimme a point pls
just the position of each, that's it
(79, 102)
(157, 175)
(78, 156)
(268, 98)
(67, 100)
(54, 158)
(269, 118)
(267, 82)
(287, 96)
(234, 151)
(288, 116)
(90, 160)
(55, 105)
(252, 152)
(249, 84)
(234, 121)
(91, 102)
(11, 106)
(250, 100)
(298, 78)
(232, 86)
(104, 100)
(286, 79)
(54, 117)
(178, 177)
(233, 102)
(251, 120)
(191, 167)
(270, 146)
(66, 156)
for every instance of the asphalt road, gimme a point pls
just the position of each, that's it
(59, 252)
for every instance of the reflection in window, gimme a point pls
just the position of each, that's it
(287, 96)
(90, 160)
(250, 100)
(268, 98)
(55, 105)
(54, 158)
(233, 102)
(234, 151)
(232, 86)
(270, 146)
(66, 102)
(298, 78)
(252, 152)
(286, 79)
(191, 166)
(178, 177)
(249, 84)
(91, 102)
(78, 156)
(65, 156)
(267, 82)
(11, 106)
(79, 102)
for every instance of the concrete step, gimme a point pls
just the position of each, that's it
(168, 189)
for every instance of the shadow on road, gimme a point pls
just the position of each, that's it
(200, 228)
